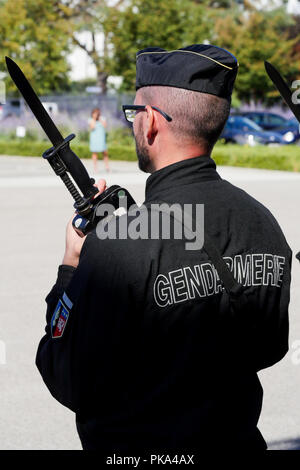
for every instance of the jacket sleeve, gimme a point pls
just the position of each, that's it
(272, 340)
(94, 300)
(64, 276)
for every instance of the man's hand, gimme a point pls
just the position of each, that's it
(73, 241)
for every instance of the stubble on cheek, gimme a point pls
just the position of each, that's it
(141, 150)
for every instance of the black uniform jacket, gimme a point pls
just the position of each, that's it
(141, 340)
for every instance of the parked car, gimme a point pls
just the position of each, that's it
(241, 130)
(290, 131)
(267, 121)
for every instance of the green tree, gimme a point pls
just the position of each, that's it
(32, 33)
(255, 37)
(90, 16)
(169, 24)
(150, 23)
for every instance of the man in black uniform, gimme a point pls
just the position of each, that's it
(154, 346)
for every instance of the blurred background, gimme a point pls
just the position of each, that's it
(78, 55)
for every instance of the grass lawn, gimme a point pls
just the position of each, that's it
(286, 157)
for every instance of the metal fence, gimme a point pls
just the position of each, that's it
(71, 112)
(111, 104)
(70, 107)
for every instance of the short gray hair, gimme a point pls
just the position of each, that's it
(197, 117)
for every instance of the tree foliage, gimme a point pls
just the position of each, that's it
(252, 35)
(144, 23)
(254, 38)
(39, 34)
(33, 34)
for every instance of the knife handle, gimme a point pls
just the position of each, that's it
(70, 162)
(114, 195)
(78, 172)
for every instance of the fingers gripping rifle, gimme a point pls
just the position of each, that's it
(65, 162)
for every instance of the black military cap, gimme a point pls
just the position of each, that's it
(200, 67)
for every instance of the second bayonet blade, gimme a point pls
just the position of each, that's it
(72, 162)
(33, 102)
(283, 89)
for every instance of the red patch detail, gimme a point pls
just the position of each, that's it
(60, 319)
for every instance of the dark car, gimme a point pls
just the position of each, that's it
(290, 131)
(267, 121)
(241, 130)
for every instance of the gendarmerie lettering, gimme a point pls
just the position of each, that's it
(202, 280)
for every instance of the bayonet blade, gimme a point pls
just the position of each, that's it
(33, 102)
(283, 89)
(286, 94)
(71, 160)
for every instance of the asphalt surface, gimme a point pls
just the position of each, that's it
(34, 209)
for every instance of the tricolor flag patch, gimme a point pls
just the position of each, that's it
(60, 317)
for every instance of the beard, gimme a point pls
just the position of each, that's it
(142, 152)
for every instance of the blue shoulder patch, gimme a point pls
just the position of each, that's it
(60, 316)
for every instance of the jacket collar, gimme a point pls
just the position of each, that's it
(186, 172)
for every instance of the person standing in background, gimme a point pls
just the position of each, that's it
(97, 126)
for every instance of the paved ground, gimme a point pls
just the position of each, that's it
(34, 209)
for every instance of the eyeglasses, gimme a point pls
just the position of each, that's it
(130, 111)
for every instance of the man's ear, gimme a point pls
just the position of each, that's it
(151, 125)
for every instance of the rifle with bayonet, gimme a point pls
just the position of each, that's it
(67, 165)
(286, 94)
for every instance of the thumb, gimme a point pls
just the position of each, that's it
(101, 185)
